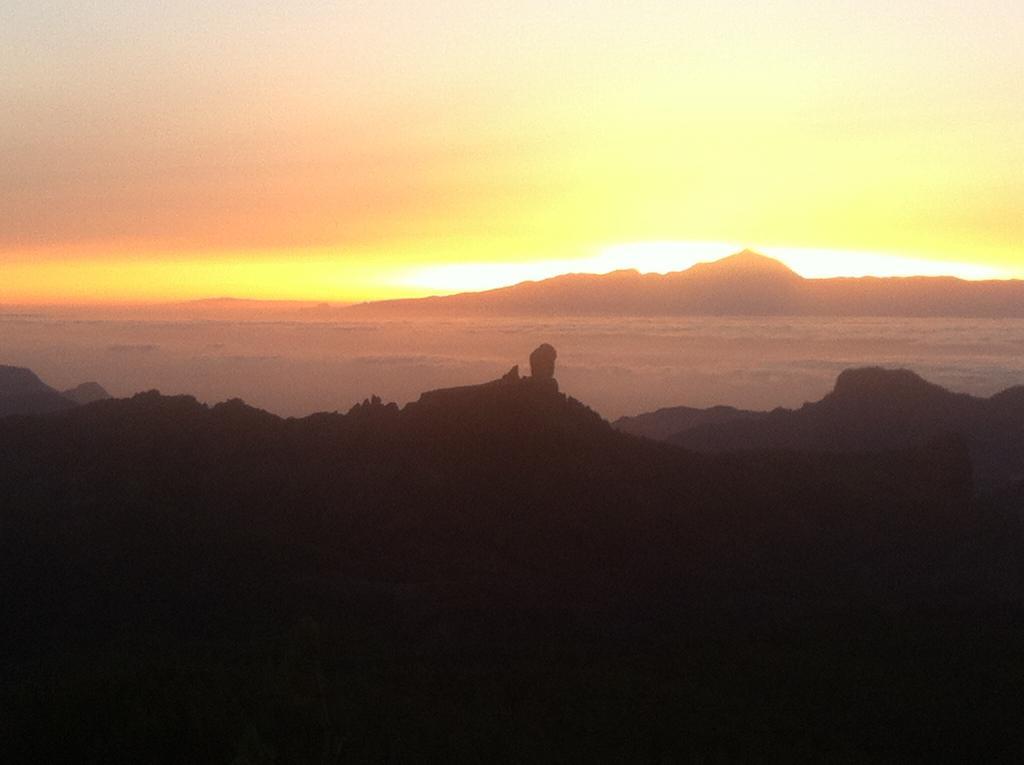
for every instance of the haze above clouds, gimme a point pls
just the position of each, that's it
(617, 366)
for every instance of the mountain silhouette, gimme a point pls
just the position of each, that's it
(489, 569)
(457, 476)
(744, 284)
(746, 265)
(22, 392)
(869, 410)
(86, 393)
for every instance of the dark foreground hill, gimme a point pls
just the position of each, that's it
(869, 409)
(492, 573)
(665, 423)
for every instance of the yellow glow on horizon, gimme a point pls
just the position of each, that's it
(665, 257)
(357, 151)
(315, 278)
(326, 275)
(825, 264)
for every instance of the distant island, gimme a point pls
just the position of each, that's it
(744, 284)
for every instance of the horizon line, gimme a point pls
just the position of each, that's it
(665, 257)
(651, 257)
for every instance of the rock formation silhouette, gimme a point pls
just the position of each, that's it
(542, 362)
(541, 381)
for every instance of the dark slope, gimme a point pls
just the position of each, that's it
(22, 392)
(665, 423)
(745, 284)
(877, 409)
(462, 482)
(488, 573)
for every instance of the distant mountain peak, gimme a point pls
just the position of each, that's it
(875, 382)
(22, 392)
(18, 380)
(86, 393)
(745, 264)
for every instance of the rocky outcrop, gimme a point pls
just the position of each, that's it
(541, 380)
(542, 362)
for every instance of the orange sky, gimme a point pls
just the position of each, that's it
(359, 150)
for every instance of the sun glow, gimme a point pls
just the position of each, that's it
(824, 264)
(359, 151)
(305, 276)
(329, 275)
(665, 257)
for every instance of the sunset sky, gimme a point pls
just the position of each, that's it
(364, 149)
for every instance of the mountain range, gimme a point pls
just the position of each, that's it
(493, 573)
(744, 284)
(869, 410)
(22, 392)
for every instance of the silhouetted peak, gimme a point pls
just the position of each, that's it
(373, 406)
(18, 380)
(86, 393)
(876, 383)
(746, 264)
(22, 392)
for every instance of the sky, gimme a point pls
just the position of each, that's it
(359, 150)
